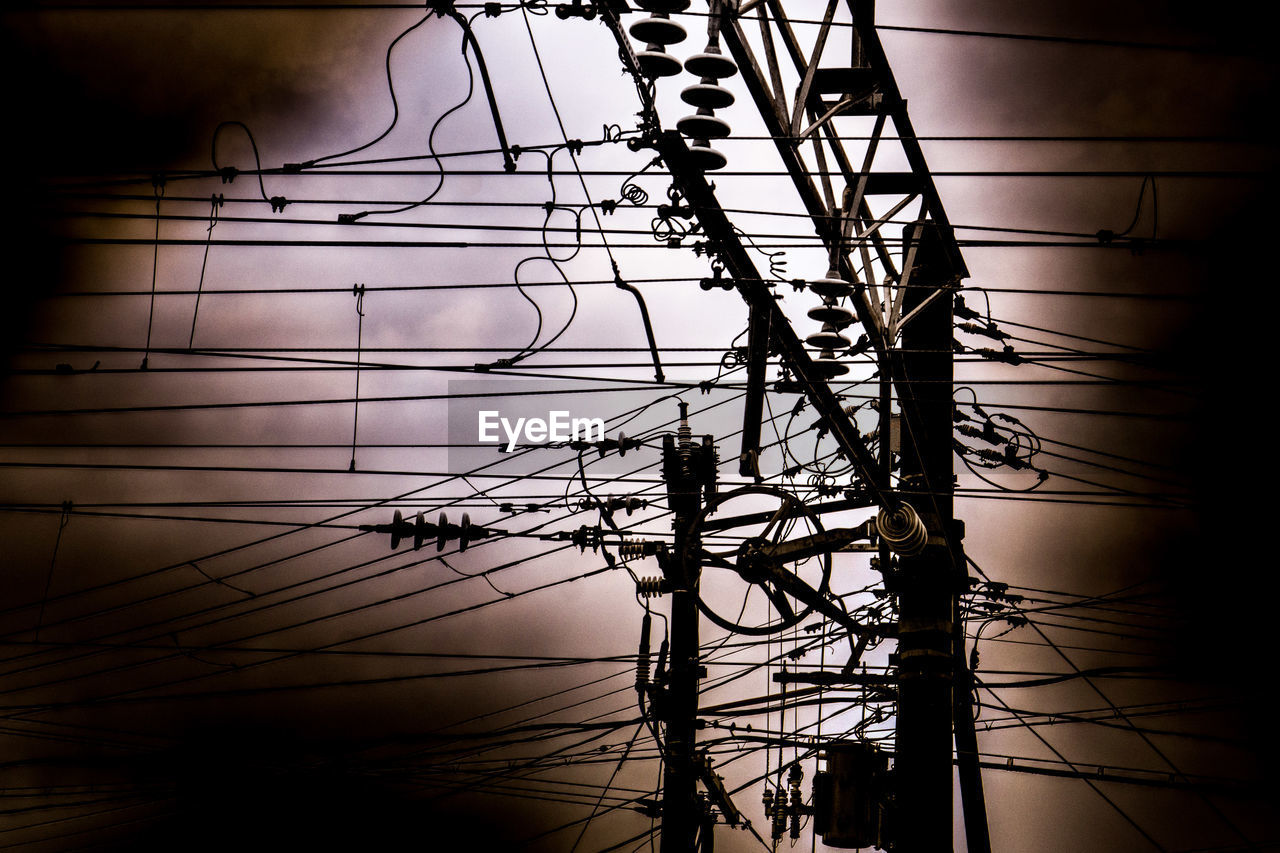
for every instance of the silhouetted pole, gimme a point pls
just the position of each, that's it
(927, 582)
(686, 468)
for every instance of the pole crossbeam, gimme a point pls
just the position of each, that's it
(758, 296)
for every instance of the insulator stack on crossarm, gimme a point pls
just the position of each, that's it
(708, 95)
(656, 32)
(833, 317)
(443, 531)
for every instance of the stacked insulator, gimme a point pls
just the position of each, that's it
(657, 31)
(833, 317)
(708, 95)
(794, 777)
(902, 530)
(642, 656)
(421, 530)
(634, 548)
(652, 587)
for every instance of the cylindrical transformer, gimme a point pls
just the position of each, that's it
(849, 796)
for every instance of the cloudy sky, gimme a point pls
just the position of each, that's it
(203, 647)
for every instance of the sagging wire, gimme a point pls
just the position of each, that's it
(1106, 236)
(550, 207)
(611, 134)
(193, 564)
(777, 260)
(819, 428)
(351, 218)
(157, 184)
(484, 575)
(215, 203)
(395, 106)
(442, 9)
(228, 173)
(357, 291)
(63, 520)
(732, 359)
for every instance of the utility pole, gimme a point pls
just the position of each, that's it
(927, 583)
(688, 469)
(907, 320)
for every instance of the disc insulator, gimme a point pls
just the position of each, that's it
(712, 64)
(827, 365)
(704, 125)
(831, 287)
(829, 312)
(663, 7)
(828, 339)
(708, 94)
(707, 158)
(658, 30)
(656, 62)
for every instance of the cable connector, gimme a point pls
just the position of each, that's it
(611, 503)
(621, 444)
(987, 329)
(1007, 355)
(961, 310)
(717, 278)
(584, 537)
(577, 9)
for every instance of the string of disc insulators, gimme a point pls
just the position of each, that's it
(833, 317)
(657, 31)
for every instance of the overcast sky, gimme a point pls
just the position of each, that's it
(247, 587)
